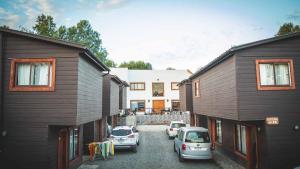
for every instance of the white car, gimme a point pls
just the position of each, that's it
(173, 128)
(125, 137)
(193, 143)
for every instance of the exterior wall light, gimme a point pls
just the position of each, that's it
(296, 127)
(258, 129)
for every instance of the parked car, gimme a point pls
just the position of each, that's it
(193, 143)
(125, 137)
(174, 126)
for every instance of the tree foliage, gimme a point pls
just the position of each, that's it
(140, 65)
(81, 33)
(288, 28)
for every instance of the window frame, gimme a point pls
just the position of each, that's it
(197, 88)
(163, 84)
(291, 86)
(133, 89)
(139, 101)
(236, 150)
(216, 132)
(13, 75)
(77, 155)
(172, 101)
(176, 85)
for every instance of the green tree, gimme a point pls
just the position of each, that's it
(141, 65)
(110, 63)
(45, 25)
(4, 26)
(288, 28)
(81, 33)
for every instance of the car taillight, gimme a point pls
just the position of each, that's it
(183, 147)
(171, 129)
(212, 147)
(131, 136)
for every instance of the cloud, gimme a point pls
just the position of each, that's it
(8, 18)
(110, 4)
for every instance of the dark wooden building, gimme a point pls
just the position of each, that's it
(249, 99)
(186, 99)
(114, 98)
(49, 90)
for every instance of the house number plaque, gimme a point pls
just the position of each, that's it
(272, 120)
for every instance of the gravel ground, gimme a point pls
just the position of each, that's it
(155, 152)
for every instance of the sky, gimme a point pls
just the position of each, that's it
(183, 34)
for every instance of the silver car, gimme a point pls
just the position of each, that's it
(193, 143)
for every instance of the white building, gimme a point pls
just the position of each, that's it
(152, 90)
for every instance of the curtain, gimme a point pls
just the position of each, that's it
(282, 74)
(243, 139)
(71, 145)
(40, 74)
(23, 74)
(238, 137)
(266, 74)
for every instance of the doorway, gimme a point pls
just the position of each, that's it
(253, 158)
(158, 105)
(62, 149)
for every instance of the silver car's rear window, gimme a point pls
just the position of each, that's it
(178, 125)
(197, 137)
(121, 132)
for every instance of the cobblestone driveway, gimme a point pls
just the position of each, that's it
(155, 152)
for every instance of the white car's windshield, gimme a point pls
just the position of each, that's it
(177, 125)
(197, 137)
(121, 132)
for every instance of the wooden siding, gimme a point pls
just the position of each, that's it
(106, 96)
(255, 104)
(182, 97)
(90, 83)
(218, 96)
(123, 98)
(114, 98)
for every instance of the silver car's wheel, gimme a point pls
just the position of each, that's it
(180, 157)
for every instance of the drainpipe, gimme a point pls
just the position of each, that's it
(2, 126)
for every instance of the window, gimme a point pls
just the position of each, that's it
(240, 139)
(180, 135)
(197, 92)
(73, 143)
(175, 105)
(157, 89)
(275, 74)
(197, 137)
(174, 86)
(137, 105)
(32, 75)
(137, 86)
(219, 131)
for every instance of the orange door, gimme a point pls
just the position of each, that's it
(62, 150)
(158, 105)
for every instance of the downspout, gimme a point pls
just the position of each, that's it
(2, 125)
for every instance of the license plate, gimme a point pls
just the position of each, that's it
(199, 148)
(121, 140)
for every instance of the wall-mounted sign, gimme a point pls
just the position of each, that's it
(272, 120)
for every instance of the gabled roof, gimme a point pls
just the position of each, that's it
(125, 84)
(115, 79)
(234, 49)
(184, 82)
(85, 51)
